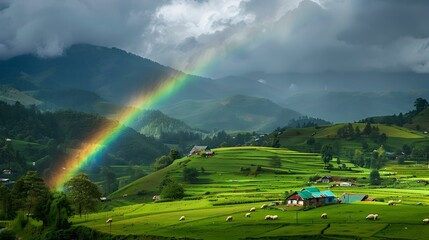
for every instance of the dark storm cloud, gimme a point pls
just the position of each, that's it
(241, 35)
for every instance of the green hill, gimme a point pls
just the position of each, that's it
(225, 190)
(235, 113)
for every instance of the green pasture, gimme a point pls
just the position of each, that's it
(224, 190)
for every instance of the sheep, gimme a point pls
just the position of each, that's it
(426, 220)
(182, 218)
(274, 217)
(125, 195)
(263, 206)
(252, 209)
(268, 217)
(229, 219)
(247, 214)
(372, 216)
(324, 216)
(392, 202)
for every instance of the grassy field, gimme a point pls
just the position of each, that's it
(224, 190)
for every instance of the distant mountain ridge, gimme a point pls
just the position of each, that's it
(235, 113)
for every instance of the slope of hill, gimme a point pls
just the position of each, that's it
(110, 72)
(154, 123)
(352, 106)
(236, 113)
(11, 95)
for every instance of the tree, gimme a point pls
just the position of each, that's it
(374, 177)
(406, 149)
(420, 104)
(190, 175)
(174, 154)
(162, 162)
(83, 194)
(327, 154)
(6, 204)
(275, 162)
(28, 191)
(60, 210)
(110, 183)
(172, 190)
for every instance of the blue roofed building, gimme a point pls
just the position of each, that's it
(311, 197)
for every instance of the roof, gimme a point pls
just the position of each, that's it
(313, 192)
(198, 148)
(351, 198)
(311, 189)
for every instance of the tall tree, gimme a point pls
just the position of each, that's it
(420, 104)
(190, 175)
(327, 154)
(6, 204)
(83, 194)
(29, 190)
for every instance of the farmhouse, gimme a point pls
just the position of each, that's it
(351, 198)
(197, 149)
(311, 196)
(7, 171)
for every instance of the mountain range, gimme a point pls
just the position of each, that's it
(103, 80)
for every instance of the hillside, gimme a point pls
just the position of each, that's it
(227, 188)
(112, 73)
(235, 113)
(154, 123)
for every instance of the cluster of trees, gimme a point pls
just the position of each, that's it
(31, 197)
(165, 160)
(51, 135)
(372, 132)
(420, 104)
(306, 122)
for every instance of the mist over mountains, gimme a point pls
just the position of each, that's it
(102, 80)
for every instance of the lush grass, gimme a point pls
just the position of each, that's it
(224, 190)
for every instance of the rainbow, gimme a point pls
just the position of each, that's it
(96, 144)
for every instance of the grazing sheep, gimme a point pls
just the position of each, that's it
(324, 216)
(263, 206)
(392, 202)
(252, 209)
(426, 220)
(372, 216)
(125, 195)
(274, 217)
(268, 217)
(182, 218)
(229, 219)
(247, 214)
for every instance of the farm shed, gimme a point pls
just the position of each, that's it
(351, 198)
(311, 196)
(197, 149)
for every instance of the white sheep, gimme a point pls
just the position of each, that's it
(268, 217)
(392, 202)
(247, 214)
(324, 216)
(426, 220)
(252, 209)
(274, 217)
(229, 218)
(182, 218)
(263, 206)
(372, 216)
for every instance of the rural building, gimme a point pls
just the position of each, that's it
(351, 198)
(324, 179)
(7, 171)
(311, 196)
(342, 184)
(4, 180)
(197, 149)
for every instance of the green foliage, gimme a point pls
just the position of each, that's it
(29, 191)
(190, 175)
(162, 162)
(275, 162)
(110, 183)
(171, 189)
(374, 177)
(327, 153)
(420, 104)
(6, 234)
(83, 194)
(174, 154)
(6, 203)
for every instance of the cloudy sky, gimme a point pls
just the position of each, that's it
(229, 36)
